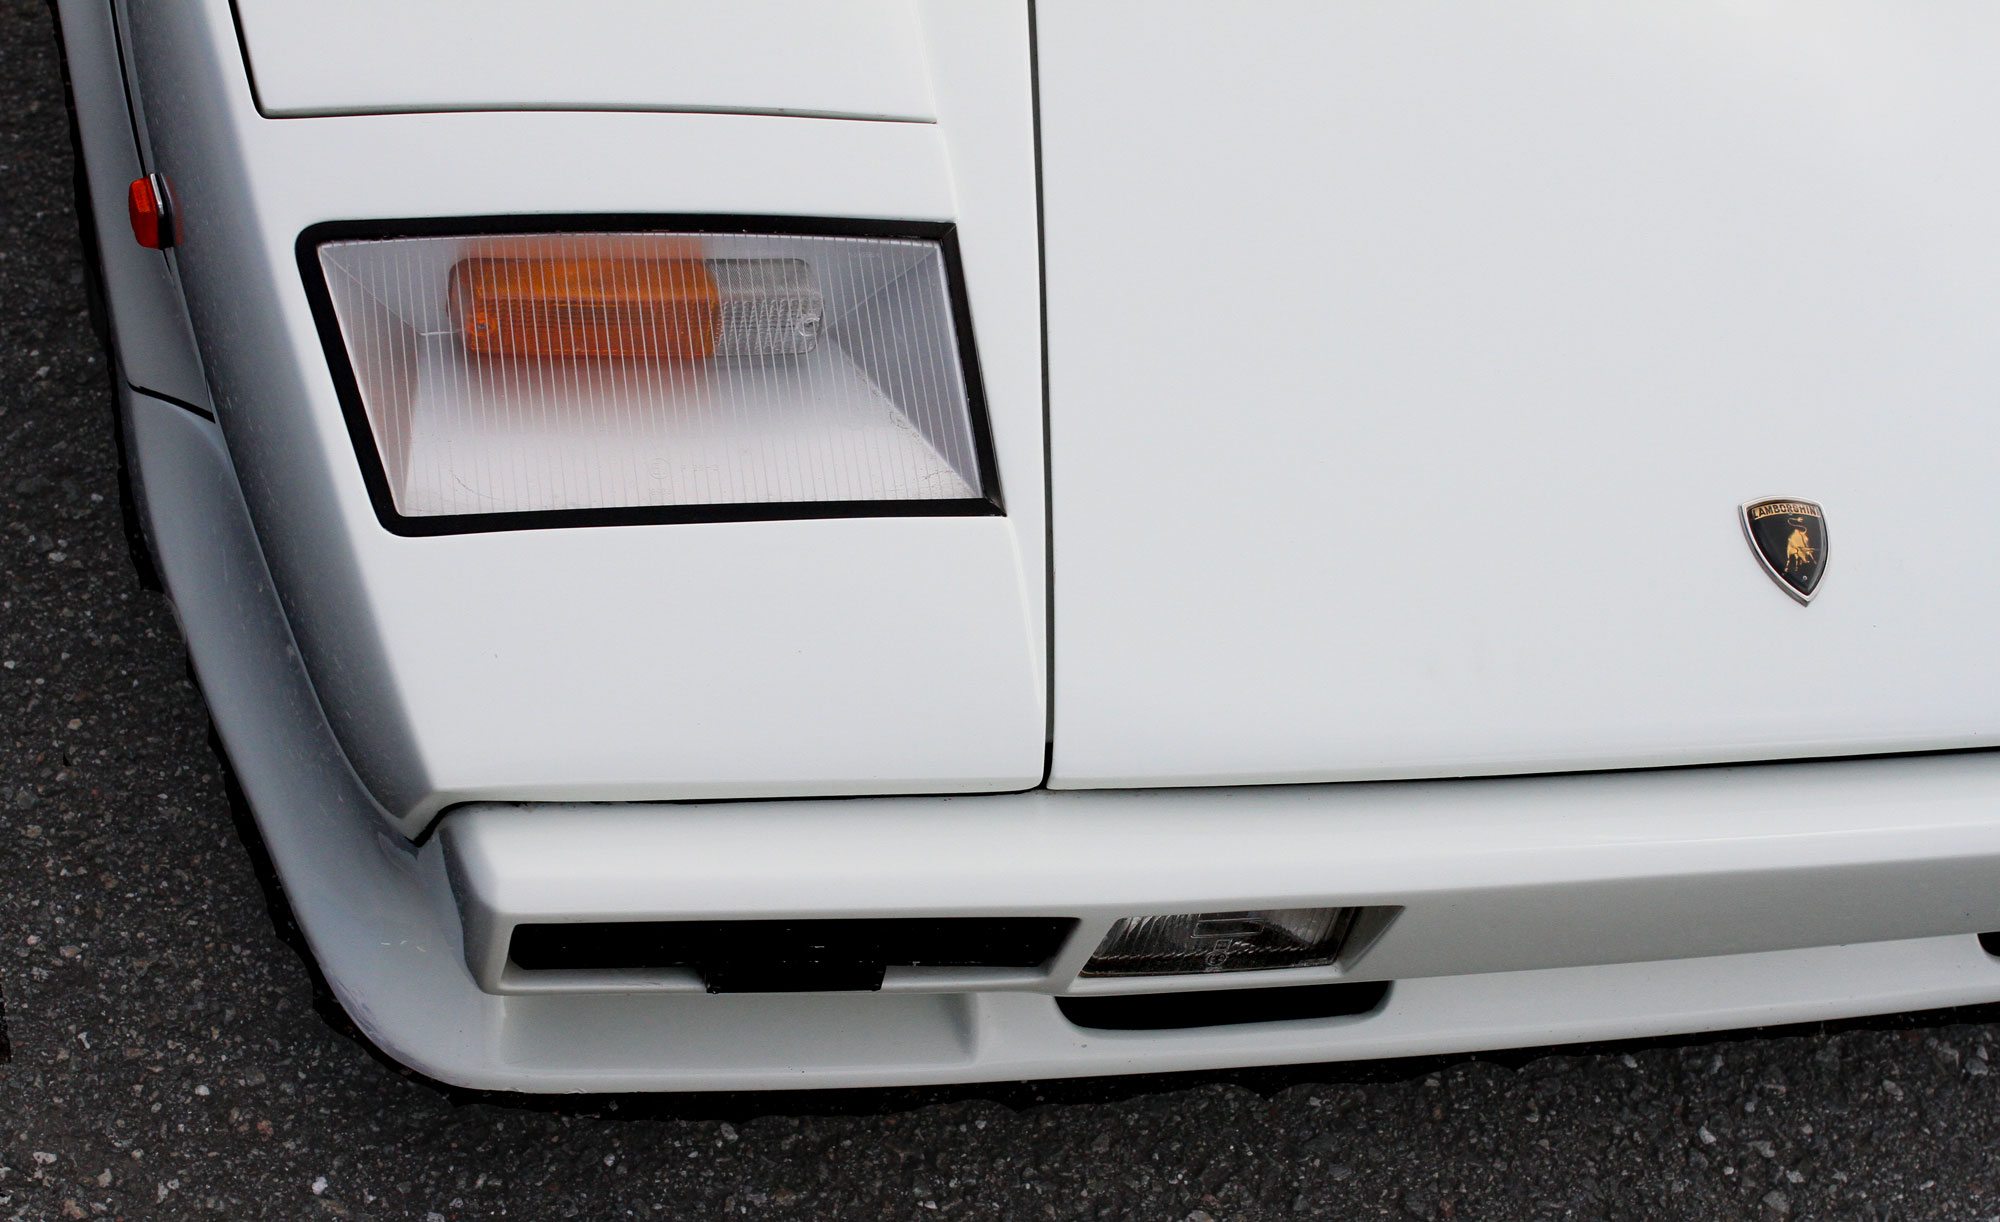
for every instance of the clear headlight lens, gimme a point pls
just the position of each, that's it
(528, 373)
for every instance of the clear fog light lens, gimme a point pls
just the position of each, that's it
(1195, 942)
(536, 372)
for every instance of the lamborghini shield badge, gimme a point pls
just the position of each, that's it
(1789, 537)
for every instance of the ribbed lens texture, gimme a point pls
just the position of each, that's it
(517, 374)
(1195, 942)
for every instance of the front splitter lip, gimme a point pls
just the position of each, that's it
(1537, 910)
(608, 1043)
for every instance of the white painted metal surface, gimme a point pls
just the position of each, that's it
(978, 51)
(860, 58)
(154, 341)
(770, 659)
(1408, 363)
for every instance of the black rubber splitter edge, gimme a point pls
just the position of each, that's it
(1222, 1007)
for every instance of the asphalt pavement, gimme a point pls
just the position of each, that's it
(165, 1055)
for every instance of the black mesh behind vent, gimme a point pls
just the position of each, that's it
(791, 956)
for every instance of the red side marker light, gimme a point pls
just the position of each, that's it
(151, 203)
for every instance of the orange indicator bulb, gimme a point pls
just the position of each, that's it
(619, 308)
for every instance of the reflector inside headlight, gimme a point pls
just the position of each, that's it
(528, 373)
(1193, 942)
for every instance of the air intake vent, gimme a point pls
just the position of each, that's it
(790, 956)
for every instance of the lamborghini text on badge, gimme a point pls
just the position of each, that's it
(1789, 537)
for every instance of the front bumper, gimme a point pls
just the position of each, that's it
(1535, 910)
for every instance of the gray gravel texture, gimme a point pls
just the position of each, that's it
(169, 1059)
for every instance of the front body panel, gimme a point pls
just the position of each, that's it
(859, 58)
(1407, 374)
(731, 659)
(153, 341)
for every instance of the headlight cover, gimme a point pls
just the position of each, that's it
(518, 379)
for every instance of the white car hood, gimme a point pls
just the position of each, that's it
(1408, 364)
(856, 58)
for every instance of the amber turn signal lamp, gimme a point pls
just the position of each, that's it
(615, 308)
(528, 373)
(150, 201)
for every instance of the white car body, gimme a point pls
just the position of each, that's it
(1372, 388)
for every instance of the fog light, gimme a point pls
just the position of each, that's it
(1194, 942)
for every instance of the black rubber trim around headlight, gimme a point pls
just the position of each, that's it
(370, 458)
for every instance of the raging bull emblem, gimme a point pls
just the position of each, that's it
(1798, 550)
(1789, 539)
